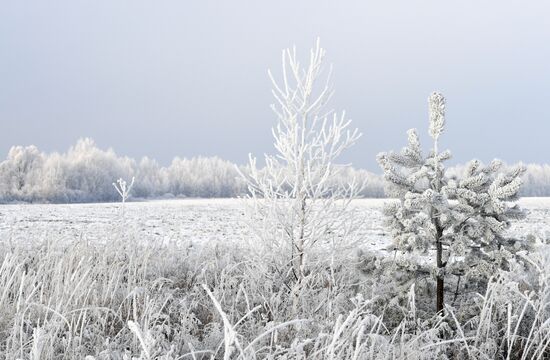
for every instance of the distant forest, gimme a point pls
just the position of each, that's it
(86, 173)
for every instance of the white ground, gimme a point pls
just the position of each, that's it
(193, 220)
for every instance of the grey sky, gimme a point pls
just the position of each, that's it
(166, 78)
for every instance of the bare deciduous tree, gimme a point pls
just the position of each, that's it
(295, 204)
(123, 190)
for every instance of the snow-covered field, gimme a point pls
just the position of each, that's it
(158, 221)
(81, 281)
(192, 220)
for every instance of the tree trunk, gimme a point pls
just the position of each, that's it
(300, 242)
(440, 290)
(440, 286)
(440, 294)
(298, 261)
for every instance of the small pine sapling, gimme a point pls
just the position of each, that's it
(460, 221)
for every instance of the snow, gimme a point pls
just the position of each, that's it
(193, 220)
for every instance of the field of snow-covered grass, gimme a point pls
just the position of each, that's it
(192, 220)
(176, 280)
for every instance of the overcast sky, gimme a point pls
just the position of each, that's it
(166, 78)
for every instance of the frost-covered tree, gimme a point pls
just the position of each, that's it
(294, 203)
(461, 221)
(203, 177)
(85, 173)
(90, 171)
(150, 179)
(123, 189)
(20, 172)
(536, 180)
(53, 174)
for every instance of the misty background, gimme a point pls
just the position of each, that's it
(187, 78)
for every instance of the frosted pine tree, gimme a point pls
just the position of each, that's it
(462, 222)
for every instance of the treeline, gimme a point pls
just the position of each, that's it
(85, 173)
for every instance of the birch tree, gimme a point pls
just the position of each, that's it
(295, 207)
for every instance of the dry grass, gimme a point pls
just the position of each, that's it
(124, 301)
